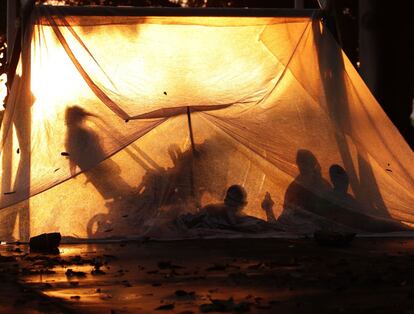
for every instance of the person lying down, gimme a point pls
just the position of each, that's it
(228, 215)
(222, 218)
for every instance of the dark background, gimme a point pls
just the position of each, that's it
(377, 36)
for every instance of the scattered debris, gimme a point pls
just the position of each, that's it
(29, 272)
(375, 268)
(70, 273)
(168, 265)
(105, 296)
(182, 295)
(97, 267)
(255, 266)
(97, 272)
(222, 267)
(228, 305)
(165, 307)
(126, 283)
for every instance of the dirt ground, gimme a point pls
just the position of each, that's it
(373, 275)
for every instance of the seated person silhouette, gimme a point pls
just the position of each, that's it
(344, 209)
(303, 206)
(340, 183)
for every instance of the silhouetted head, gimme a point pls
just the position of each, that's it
(236, 197)
(307, 162)
(76, 114)
(339, 178)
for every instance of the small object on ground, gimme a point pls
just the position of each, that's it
(70, 273)
(333, 238)
(183, 293)
(75, 297)
(166, 307)
(222, 267)
(105, 296)
(126, 283)
(152, 272)
(256, 266)
(168, 265)
(229, 305)
(97, 268)
(217, 267)
(46, 242)
(97, 272)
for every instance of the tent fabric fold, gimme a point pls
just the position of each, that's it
(95, 141)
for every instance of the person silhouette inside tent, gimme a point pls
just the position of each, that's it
(223, 215)
(340, 184)
(229, 215)
(303, 204)
(345, 210)
(85, 151)
(82, 143)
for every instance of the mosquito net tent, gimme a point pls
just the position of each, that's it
(119, 121)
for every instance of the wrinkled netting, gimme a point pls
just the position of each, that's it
(96, 136)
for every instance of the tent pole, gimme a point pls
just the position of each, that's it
(192, 185)
(191, 130)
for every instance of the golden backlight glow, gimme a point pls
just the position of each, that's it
(55, 82)
(3, 88)
(92, 171)
(162, 66)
